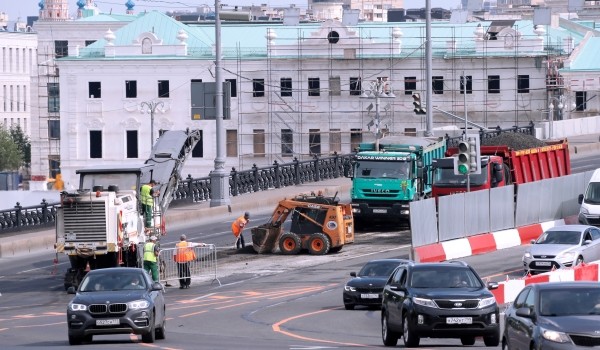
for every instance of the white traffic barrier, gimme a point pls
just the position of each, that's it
(201, 267)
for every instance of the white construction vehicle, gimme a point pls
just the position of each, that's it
(101, 224)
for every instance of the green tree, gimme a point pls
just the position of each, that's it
(22, 142)
(11, 157)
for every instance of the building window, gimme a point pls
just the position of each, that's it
(258, 141)
(146, 46)
(94, 89)
(258, 87)
(132, 143)
(335, 86)
(493, 84)
(231, 145)
(410, 85)
(130, 89)
(89, 42)
(314, 142)
(355, 138)
(314, 85)
(469, 86)
(355, 86)
(232, 87)
(24, 99)
(287, 143)
(580, 100)
(523, 84)
(95, 144)
(53, 165)
(286, 87)
(61, 48)
(335, 141)
(163, 89)
(198, 151)
(54, 129)
(437, 85)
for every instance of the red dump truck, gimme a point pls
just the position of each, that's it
(502, 166)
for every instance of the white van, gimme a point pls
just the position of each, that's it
(589, 213)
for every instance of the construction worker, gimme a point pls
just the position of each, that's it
(58, 184)
(147, 194)
(151, 251)
(183, 256)
(237, 227)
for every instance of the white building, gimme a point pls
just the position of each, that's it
(295, 91)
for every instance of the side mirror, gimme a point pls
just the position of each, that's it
(523, 312)
(71, 290)
(580, 199)
(492, 285)
(353, 274)
(420, 171)
(587, 242)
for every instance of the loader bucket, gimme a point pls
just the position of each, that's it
(264, 238)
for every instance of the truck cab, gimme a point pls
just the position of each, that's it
(589, 212)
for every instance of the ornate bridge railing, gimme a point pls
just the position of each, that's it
(193, 190)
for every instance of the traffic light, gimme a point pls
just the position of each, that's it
(419, 109)
(468, 160)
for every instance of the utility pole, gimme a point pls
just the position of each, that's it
(428, 74)
(219, 179)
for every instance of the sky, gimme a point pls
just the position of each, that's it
(23, 8)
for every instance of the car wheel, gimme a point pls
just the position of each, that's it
(492, 340)
(161, 332)
(579, 260)
(410, 339)
(389, 337)
(73, 340)
(349, 306)
(150, 336)
(467, 340)
(290, 244)
(318, 244)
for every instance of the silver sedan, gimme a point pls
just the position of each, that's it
(562, 246)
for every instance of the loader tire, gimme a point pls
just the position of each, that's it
(318, 244)
(290, 244)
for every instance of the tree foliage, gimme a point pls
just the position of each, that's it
(22, 142)
(11, 157)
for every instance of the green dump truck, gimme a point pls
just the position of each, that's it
(387, 179)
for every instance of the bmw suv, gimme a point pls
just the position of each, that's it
(438, 300)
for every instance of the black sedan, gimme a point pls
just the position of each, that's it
(365, 287)
(554, 315)
(116, 301)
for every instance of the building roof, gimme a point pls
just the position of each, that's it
(587, 58)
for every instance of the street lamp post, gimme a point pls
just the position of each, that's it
(377, 90)
(150, 107)
(559, 105)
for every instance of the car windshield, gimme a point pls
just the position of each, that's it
(445, 177)
(395, 170)
(378, 269)
(570, 302)
(113, 282)
(559, 237)
(592, 194)
(442, 277)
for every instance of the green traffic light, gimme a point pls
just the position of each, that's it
(463, 169)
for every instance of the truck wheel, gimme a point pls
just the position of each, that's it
(290, 244)
(318, 244)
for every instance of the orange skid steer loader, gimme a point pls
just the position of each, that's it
(319, 224)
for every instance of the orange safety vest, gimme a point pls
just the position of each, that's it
(238, 225)
(184, 253)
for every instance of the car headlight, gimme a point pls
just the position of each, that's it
(425, 302)
(566, 256)
(348, 288)
(584, 211)
(527, 255)
(138, 304)
(557, 337)
(486, 302)
(77, 307)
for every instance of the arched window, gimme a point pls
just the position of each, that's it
(146, 46)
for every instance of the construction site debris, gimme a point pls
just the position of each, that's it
(516, 141)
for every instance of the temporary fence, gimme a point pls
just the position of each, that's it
(202, 267)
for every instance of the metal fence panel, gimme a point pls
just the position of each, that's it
(528, 208)
(451, 216)
(502, 208)
(423, 223)
(477, 212)
(203, 268)
(570, 188)
(550, 199)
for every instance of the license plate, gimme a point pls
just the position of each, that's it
(108, 322)
(459, 320)
(380, 211)
(369, 296)
(543, 263)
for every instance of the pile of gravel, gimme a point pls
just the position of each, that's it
(515, 140)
